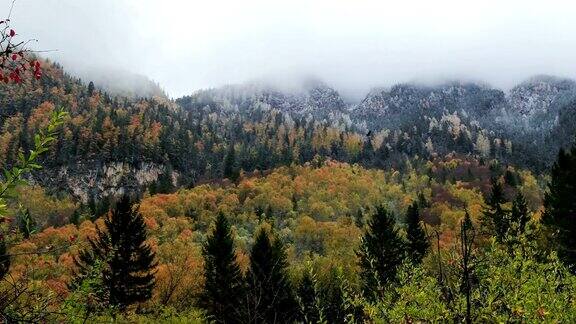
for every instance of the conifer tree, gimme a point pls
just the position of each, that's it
(223, 288)
(560, 206)
(26, 223)
(271, 298)
(381, 252)
(230, 170)
(519, 212)
(496, 219)
(4, 258)
(128, 270)
(417, 244)
(308, 299)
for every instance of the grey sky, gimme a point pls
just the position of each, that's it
(353, 45)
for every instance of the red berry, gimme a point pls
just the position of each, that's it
(12, 33)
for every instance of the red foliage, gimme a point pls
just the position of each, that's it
(15, 61)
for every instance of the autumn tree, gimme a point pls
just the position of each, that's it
(560, 206)
(224, 286)
(271, 297)
(417, 243)
(128, 261)
(381, 252)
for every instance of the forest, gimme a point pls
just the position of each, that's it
(256, 206)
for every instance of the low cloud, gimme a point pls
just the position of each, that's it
(352, 45)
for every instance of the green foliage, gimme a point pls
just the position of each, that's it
(271, 296)
(27, 163)
(381, 252)
(496, 219)
(308, 297)
(417, 297)
(417, 243)
(129, 261)
(224, 286)
(560, 206)
(26, 223)
(519, 213)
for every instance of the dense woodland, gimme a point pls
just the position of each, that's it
(262, 209)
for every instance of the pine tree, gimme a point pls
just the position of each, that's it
(26, 223)
(520, 212)
(560, 206)
(223, 288)
(467, 236)
(4, 258)
(417, 244)
(230, 170)
(381, 252)
(496, 220)
(90, 88)
(308, 299)
(271, 298)
(128, 274)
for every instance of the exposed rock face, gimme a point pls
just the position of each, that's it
(86, 180)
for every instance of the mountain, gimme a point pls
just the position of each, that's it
(393, 107)
(541, 95)
(113, 143)
(311, 98)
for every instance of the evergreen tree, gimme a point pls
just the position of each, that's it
(230, 169)
(271, 298)
(26, 223)
(417, 244)
(496, 220)
(4, 258)
(128, 271)
(520, 212)
(382, 251)
(90, 88)
(308, 299)
(223, 288)
(560, 206)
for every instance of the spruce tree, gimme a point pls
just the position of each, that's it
(560, 206)
(381, 252)
(308, 299)
(4, 257)
(26, 223)
(417, 244)
(230, 170)
(519, 213)
(496, 219)
(223, 288)
(128, 271)
(271, 298)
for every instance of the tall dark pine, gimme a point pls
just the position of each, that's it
(519, 213)
(230, 170)
(271, 298)
(560, 206)
(417, 244)
(4, 258)
(223, 288)
(381, 252)
(496, 219)
(128, 274)
(308, 300)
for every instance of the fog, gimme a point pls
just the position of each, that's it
(351, 45)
